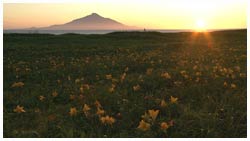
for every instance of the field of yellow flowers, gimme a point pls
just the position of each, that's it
(125, 84)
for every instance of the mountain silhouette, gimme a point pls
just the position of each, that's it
(91, 22)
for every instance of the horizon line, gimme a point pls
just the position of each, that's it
(123, 29)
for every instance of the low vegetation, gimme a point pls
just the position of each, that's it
(125, 84)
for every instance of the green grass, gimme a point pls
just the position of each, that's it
(48, 63)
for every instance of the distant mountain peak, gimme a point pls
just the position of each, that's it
(95, 14)
(91, 22)
(92, 16)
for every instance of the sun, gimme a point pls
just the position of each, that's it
(200, 25)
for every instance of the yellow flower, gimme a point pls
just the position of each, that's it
(233, 86)
(123, 77)
(183, 72)
(225, 84)
(86, 86)
(195, 67)
(54, 94)
(100, 112)
(37, 110)
(86, 108)
(197, 79)
(126, 69)
(149, 71)
(41, 97)
(146, 117)
(242, 75)
(153, 114)
(173, 99)
(81, 89)
(110, 120)
(98, 104)
(164, 126)
(136, 88)
(230, 71)
(108, 76)
(81, 97)
(186, 76)
(232, 76)
(224, 69)
(198, 73)
(17, 84)
(107, 120)
(166, 75)
(112, 89)
(163, 103)
(72, 97)
(97, 77)
(27, 69)
(19, 109)
(73, 112)
(103, 120)
(77, 80)
(69, 78)
(144, 126)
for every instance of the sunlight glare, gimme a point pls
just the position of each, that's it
(200, 25)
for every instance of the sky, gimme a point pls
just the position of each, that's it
(150, 14)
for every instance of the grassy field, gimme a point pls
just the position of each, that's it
(125, 84)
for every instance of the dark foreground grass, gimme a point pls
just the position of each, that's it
(128, 73)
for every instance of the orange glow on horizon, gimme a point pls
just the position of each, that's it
(196, 36)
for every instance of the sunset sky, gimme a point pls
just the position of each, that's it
(153, 14)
